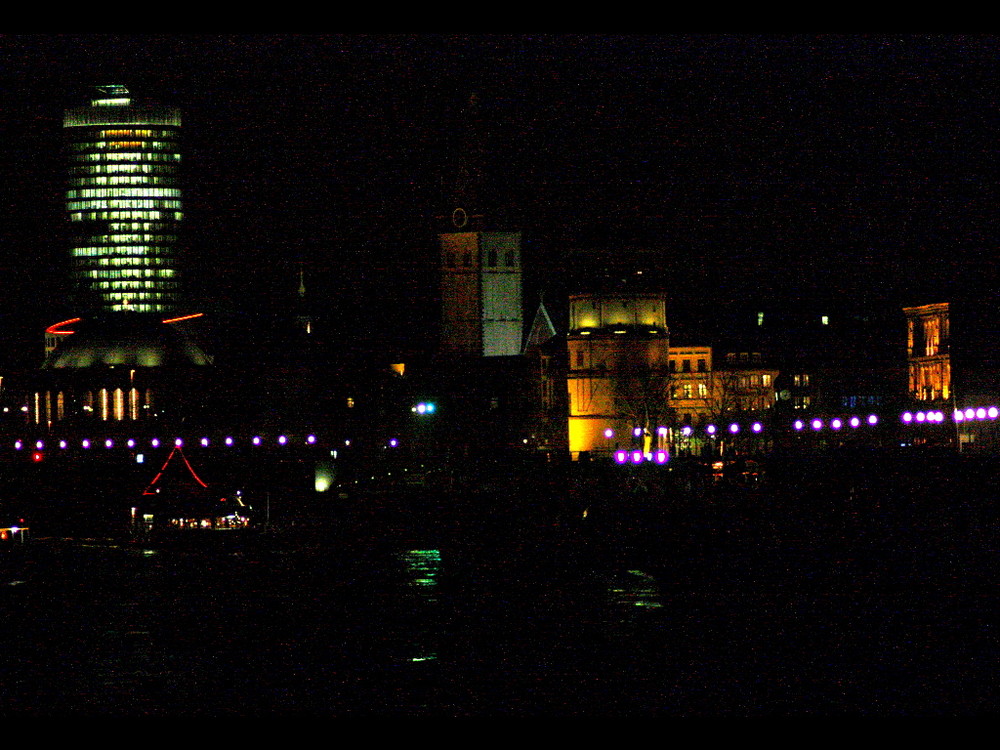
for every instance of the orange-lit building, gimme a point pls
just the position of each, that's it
(928, 351)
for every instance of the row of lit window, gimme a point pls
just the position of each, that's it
(127, 156)
(124, 169)
(128, 179)
(125, 192)
(140, 227)
(84, 268)
(131, 273)
(122, 250)
(138, 307)
(118, 240)
(136, 133)
(149, 284)
(137, 295)
(88, 205)
(105, 215)
(114, 145)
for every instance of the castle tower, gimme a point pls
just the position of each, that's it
(123, 201)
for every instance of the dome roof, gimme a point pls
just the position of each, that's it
(126, 339)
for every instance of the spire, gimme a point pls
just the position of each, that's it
(541, 328)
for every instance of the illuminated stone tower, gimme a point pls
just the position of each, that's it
(123, 201)
(480, 265)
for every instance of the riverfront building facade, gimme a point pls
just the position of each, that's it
(124, 202)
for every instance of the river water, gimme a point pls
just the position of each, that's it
(737, 603)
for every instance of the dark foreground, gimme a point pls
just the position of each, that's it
(827, 590)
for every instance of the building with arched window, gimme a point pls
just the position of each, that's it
(123, 202)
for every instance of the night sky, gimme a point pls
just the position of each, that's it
(735, 170)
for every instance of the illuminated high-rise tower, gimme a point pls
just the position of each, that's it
(124, 202)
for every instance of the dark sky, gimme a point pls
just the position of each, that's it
(737, 169)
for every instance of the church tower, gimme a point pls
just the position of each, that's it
(480, 263)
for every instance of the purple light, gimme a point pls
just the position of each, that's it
(921, 416)
(685, 431)
(178, 442)
(155, 443)
(734, 428)
(637, 432)
(817, 424)
(282, 440)
(17, 445)
(980, 413)
(872, 419)
(229, 441)
(836, 424)
(204, 442)
(855, 422)
(39, 445)
(958, 415)
(798, 424)
(311, 439)
(661, 431)
(757, 427)
(85, 443)
(637, 457)
(256, 440)
(621, 457)
(970, 413)
(992, 412)
(907, 417)
(392, 443)
(609, 433)
(62, 444)
(131, 443)
(710, 429)
(661, 457)
(109, 443)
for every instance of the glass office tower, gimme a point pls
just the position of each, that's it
(124, 202)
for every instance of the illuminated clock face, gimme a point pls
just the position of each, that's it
(459, 218)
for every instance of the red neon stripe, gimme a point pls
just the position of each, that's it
(52, 328)
(182, 317)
